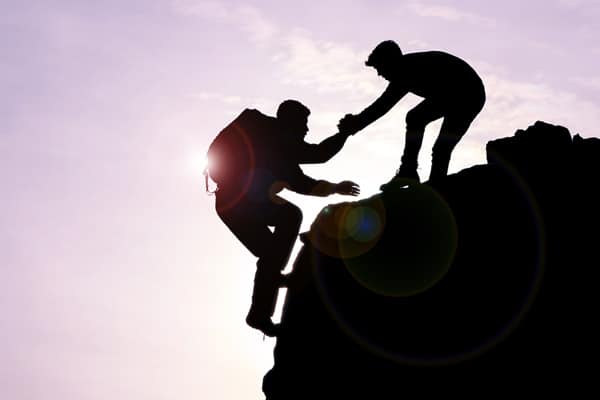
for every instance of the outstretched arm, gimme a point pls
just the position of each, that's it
(353, 123)
(324, 151)
(303, 184)
(325, 188)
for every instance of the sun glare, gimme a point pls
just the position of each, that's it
(198, 163)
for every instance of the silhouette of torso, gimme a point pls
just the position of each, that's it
(277, 159)
(435, 75)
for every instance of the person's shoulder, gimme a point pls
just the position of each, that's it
(424, 59)
(415, 61)
(426, 54)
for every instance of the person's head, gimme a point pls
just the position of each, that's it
(293, 117)
(385, 58)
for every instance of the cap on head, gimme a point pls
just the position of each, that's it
(384, 52)
(291, 110)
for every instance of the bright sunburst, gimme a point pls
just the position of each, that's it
(198, 163)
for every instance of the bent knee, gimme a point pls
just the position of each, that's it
(415, 120)
(477, 105)
(293, 214)
(476, 101)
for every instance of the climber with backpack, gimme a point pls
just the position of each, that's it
(251, 160)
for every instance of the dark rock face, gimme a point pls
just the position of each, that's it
(486, 277)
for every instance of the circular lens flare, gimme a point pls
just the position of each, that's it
(416, 250)
(446, 327)
(349, 229)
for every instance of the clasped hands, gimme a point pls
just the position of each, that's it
(349, 124)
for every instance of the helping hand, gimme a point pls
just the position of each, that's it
(347, 188)
(348, 124)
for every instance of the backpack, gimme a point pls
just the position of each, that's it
(238, 149)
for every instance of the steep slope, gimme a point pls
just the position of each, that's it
(487, 276)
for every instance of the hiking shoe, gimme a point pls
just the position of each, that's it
(266, 326)
(404, 176)
(304, 238)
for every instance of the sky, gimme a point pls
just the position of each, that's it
(117, 279)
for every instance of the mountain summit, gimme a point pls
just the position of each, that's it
(487, 276)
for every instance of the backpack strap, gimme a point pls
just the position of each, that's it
(210, 193)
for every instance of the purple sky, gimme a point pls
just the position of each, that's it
(118, 280)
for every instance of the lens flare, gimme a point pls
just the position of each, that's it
(420, 240)
(348, 229)
(421, 231)
(198, 162)
(363, 224)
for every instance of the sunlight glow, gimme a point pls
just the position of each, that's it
(198, 163)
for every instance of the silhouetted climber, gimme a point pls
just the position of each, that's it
(246, 199)
(450, 87)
